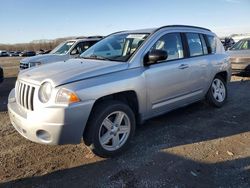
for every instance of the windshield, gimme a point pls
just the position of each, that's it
(63, 48)
(116, 47)
(241, 45)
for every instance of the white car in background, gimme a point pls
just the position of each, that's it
(64, 51)
(3, 53)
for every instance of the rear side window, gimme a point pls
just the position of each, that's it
(172, 44)
(211, 44)
(194, 44)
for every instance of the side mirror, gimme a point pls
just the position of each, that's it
(155, 56)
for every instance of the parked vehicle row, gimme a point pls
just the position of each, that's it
(117, 83)
(14, 53)
(4, 53)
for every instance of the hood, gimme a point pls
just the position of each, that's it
(70, 71)
(45, 58)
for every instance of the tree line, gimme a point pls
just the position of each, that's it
(34, 46)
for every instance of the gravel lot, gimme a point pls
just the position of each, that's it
(196, 146)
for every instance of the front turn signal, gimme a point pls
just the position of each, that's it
(65, 96)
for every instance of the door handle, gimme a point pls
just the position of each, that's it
(183, 66)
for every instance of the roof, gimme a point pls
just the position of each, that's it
(152, 30)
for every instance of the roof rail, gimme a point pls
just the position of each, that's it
(97, 36)
(89, 37)
(188, 26)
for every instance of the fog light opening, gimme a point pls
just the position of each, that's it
(43, 135)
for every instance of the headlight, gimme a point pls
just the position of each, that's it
(45, 91)
(65, 96)
(32, 64)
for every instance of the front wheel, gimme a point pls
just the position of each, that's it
(217, 93)
(111, 128)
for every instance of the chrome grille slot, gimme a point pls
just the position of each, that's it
(25, 95)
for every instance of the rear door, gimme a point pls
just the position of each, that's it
(198, 63)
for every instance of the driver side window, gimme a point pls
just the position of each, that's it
(171, 43)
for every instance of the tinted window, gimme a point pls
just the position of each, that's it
(116, 45)
(102, 48)
(194, 43)
(211, 44)
(172, 44)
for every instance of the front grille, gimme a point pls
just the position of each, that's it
(24, 65)
(25, 95)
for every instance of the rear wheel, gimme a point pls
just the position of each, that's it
(217, 93)
(110, 128)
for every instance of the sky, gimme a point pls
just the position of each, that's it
(27, 20)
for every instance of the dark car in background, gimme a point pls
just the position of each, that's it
(27, 53)
(1, 75)
(240, 56)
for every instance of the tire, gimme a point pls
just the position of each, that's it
(110, 128)
(217, 93)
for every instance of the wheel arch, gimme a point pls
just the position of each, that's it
(223, 74)
(128, 97)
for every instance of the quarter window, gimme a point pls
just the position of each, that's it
(194, 43)
(204, 45)
(211, 44)
(171, 43)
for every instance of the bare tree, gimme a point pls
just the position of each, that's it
(34, 45)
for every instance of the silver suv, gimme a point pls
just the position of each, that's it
(64, 51)
(124, 79)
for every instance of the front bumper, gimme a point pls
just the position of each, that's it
(54, 126)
